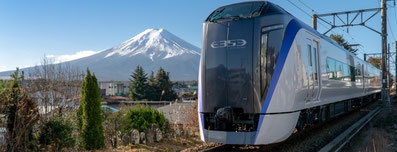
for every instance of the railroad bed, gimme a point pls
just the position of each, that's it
(329, 136)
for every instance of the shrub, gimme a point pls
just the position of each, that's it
(142, 118)
(57, 132)
(112, 126)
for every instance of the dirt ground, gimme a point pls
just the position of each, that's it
(380, 135)
(185, 144)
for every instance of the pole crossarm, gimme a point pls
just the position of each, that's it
(347, 21)
(391, 53)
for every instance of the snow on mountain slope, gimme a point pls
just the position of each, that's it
(151, 49)
(155, 44)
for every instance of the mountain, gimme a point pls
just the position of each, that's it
(151, 49)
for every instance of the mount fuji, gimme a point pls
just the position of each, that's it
(151, 49)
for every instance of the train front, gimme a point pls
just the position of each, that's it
(241, 43)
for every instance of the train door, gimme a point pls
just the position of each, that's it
(312, 70)
(316, 70)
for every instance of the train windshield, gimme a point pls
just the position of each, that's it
(243, 11)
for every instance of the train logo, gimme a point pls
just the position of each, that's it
(229, 43)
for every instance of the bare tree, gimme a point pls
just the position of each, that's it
(55, 86)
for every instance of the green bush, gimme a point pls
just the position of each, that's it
(143, 117)
(57, 132)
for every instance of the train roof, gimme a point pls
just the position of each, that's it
(269, 8)
(245, 10)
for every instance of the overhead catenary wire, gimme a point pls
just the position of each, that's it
(308, 14)
(304, 4)
(314, 11)
(391, 30)
(395, 14)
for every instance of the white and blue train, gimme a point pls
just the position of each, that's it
(264, 75)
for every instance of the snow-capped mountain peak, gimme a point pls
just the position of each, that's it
(155, 44)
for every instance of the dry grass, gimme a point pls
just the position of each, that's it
(177, 144)
(380, 135)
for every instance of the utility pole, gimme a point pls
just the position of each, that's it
(314, 21)
(385, 90)
(388, 67)
(395, 62)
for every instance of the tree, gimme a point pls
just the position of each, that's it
(89, 114)
(3, 86)
(22, 114)
(56, 86)
(142, 118)
(341, 41)
(57, 132)
(152, 88)
(164, 86)
(376, 62)
(138, 86)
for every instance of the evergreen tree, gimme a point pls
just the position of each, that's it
(341, 41)
(152, 88)
(138, 87)
(22, 115)
(164, 86)
(90, 114)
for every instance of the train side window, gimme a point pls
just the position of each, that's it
(345, 72)
(338, 70)
(358, 73)
(331, 68)
(263, 69)
(269, 51)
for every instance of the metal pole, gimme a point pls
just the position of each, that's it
(384, 51)
(388, 67)
(314, 21)
(395, 62)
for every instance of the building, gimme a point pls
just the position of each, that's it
(113, 88)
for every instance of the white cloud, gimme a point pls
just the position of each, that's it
(4, 68)
(11, 68)
(65, 58)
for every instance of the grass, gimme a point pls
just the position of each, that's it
(379, 135)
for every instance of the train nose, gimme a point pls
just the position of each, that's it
(228, 66)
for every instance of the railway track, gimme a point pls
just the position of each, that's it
(335, 144)
(217, 148)
(342, 139)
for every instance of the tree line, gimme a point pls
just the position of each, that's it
(27, 130)
(152, 88)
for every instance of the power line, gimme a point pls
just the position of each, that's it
(391, 29)
(395, 14)
(308, 14)
(307, 6)
(300, 8)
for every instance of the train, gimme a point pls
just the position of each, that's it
(265, 75)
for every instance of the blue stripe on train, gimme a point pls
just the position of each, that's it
(292, 29)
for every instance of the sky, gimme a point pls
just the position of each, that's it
(69, 29)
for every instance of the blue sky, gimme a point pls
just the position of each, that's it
(29, 30)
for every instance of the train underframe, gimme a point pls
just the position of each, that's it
(319, 114)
